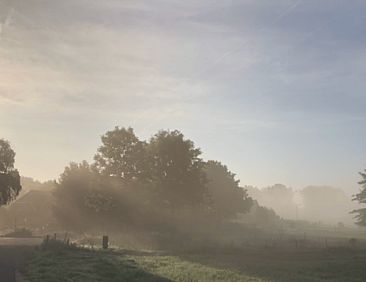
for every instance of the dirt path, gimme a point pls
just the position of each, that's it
(12, 261)
(7, 273)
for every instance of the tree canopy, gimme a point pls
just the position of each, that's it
(121, 155)
(227, 197)
(177, 169)
(155, 179)
(84, 197)
(9, 177)
(361, 198)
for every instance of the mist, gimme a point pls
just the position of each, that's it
(182, 140)
(323, 204)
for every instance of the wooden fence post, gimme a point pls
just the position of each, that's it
(105, 242)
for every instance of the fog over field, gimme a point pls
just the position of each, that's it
(196, 140)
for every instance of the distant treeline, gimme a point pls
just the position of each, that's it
(325, 204)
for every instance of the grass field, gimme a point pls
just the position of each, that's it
(257, 264)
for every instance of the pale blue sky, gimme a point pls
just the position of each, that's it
(274, 89)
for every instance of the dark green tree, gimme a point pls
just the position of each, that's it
(72, 190)
(261, 216)
(87, 200)
(83, 197)
(122, 155)
(361, 198)
(9, 177)
(227, 197)
(177, 170)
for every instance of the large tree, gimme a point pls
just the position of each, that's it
(86, 200)
(177, 170)
(9, 176)
(84, 197)
(227, 197)
(361, 198)
(122, 155)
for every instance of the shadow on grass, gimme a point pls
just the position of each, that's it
(86, 265)
(337, 264)
(264, 264)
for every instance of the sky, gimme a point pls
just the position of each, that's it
(273, 89)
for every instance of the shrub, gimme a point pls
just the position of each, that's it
(20, 233)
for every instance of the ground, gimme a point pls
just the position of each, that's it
(260, 264)
(270, 262)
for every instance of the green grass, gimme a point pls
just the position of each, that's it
(256, 264)
(84, 265)
(337, 264)
(177, 269)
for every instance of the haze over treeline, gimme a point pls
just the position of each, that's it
(322, 204)
(134, 183)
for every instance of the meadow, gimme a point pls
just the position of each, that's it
(224, 264)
